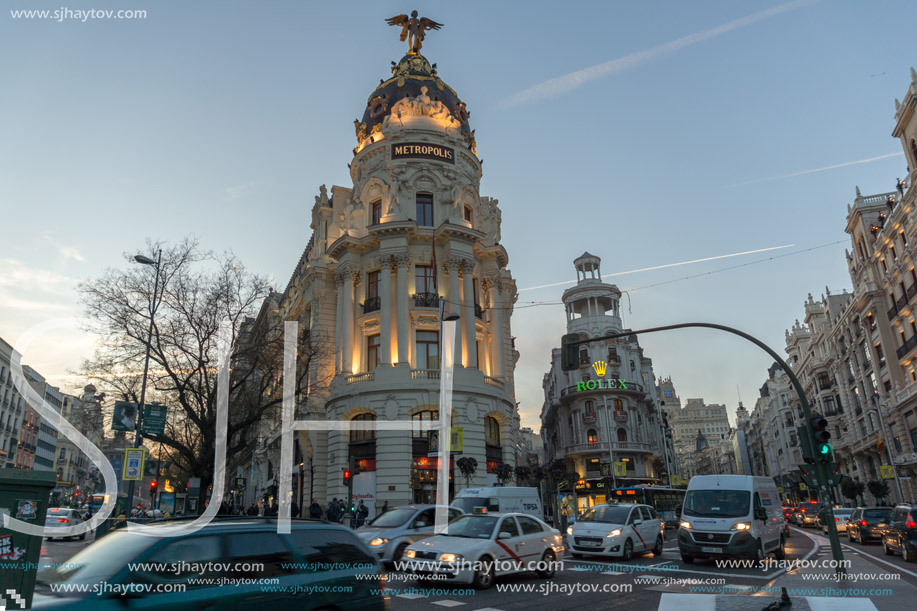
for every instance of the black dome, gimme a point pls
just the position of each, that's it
(409, 75)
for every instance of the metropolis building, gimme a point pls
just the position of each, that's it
(410, 230)
(606, 411)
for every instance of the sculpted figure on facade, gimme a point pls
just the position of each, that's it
(490, 219)
(390, 204)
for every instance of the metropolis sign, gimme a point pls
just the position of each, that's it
(420, 150)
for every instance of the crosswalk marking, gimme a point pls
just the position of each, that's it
(448, 603)
(410, 596)
(687, 602)
(613, 573)
(707, 602)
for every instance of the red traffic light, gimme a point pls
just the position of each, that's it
(347, 476)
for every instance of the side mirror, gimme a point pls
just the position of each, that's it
(760, 513)
(419, 524)
(638, 521)
(504, 535)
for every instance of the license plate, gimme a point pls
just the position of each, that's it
(592, 544)
(712, 550)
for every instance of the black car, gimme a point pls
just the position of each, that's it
(868, 523)
(901, 535)
(239, 563)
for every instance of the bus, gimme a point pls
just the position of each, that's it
(96, 501)
(663, 500)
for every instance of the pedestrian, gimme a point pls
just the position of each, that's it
(273, 510)
(294, 510)
(341, 510)
(333, 510)
(315, 510)
(384, 508)
(566, 512)
(362, 514)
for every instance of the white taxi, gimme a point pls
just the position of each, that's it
(478, 547)
(620, 529)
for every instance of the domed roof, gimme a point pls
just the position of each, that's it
(701, 442)
(409, 75)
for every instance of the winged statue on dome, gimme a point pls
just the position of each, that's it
(413, 29)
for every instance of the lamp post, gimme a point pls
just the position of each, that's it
(446, 356)
(888, 448)
(138, 438)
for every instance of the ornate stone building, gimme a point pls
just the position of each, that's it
(607, 410)
(411, 229)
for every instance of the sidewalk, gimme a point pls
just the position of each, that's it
(854, 591)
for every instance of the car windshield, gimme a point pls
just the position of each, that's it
(877, 514)
(717, 503)
(393, 518)
(473, 527)
(607, 514)
(100, 561)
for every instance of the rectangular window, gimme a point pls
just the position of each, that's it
(903, 237)
(880, 355)
(424, 210)
(372, 352)
(377, 213)
(372, 285)
(423, 279)
(468, 215)
(427, 350)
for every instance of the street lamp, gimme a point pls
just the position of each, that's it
(888, 449)
(138, 438)
(446, 366)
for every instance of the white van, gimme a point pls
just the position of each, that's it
(500, 499)
(731, 516)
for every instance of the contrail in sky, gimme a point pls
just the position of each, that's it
(567, 82)
(647, 269)
(827, 167)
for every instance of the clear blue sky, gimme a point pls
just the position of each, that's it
(221, 119)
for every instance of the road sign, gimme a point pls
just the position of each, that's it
(620, 469)
(154, 420)
(133, 464)
(124, 416)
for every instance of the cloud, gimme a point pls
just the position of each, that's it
(573, 80)
(68, 252)
(827, 167)
(239, 190)
(21, 278)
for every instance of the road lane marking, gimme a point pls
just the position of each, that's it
(687, 602)
(447, 603)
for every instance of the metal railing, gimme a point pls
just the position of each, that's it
(478, 312)
(907, 347)
(425, 374)
(373, 304)
(360, 378)
(493, 381)
(602, 446)
(426, 300)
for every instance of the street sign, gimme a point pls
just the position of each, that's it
(154, 420)
(803, 486)
(133, 464)
(620, 469)
(124, 416)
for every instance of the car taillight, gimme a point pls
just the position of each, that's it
(64, 520)
(911, 524)
(862, 522)
(837, 519)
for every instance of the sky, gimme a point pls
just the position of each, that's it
(646, 133)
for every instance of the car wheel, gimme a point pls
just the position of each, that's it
(780, 552)
(758, 558)
(399, 552)
(886, 548)
(906, 555)
(628, 552)
(575, 555)
(657, 550)
(687, 559)
(484, 577)
(548, 562)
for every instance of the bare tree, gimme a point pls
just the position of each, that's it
(203, 300)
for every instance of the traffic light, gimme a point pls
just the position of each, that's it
(569, 355)
(808, 456)
(153, 487)
(348, 476)
(822, 450)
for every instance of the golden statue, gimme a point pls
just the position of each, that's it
(412, 29)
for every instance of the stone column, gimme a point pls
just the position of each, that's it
(339, 323)
(385, 319)
(468, 314)
(401, 297)
(454, 301)
(350, 275)
(496, 309)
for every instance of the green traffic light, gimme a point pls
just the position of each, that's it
(826, 449)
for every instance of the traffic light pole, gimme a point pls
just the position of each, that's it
(823, 490)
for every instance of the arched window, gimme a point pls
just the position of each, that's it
(423, 421)
(491, 431)
(592, 436)
(368, 434)
(622, 434)
(619, 405)
(590, 407)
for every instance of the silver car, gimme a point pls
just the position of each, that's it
(390, 533)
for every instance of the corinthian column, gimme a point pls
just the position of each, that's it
(347, 322)
(471, 359)
(496, 309)
(339, 322)
(401, 296)
(385, 323)
(455, 300)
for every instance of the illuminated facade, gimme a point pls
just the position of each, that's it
(607, 410)
(411, 229)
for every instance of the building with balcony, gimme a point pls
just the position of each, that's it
(697, 418)
(607, 411)
(411, 231)
(12, 410)
(76, 476)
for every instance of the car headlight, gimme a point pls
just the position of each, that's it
(409, 553)
(614, 533)
(685, 525)
(741, 526)
(450, 557)
(569, 530)
(378, 541)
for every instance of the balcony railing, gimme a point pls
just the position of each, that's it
(426, 300)
(425, 374)
(478, 312)
(361, 377)
(602, 446)
(493, 381)
(901, 302)
(892, 312)
(911, 290)
(373, 304)
(907, 347)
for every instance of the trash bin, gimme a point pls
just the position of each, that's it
(23, 495)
